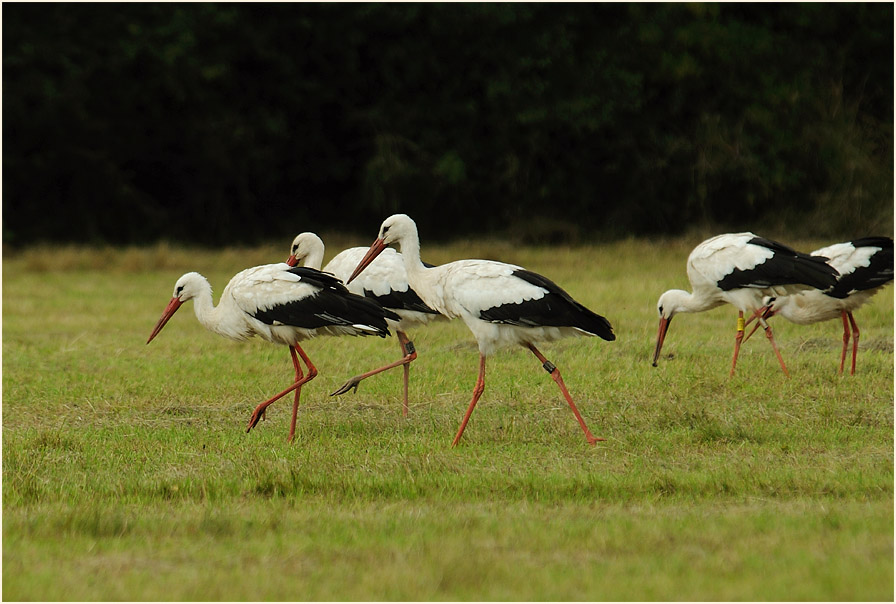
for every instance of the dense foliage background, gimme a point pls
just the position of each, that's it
(129, 123)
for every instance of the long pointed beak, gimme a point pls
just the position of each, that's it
(375, 250)
(292, 260)
(661, 337)
(166, 316)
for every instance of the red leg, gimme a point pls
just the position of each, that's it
(765, 313)
(312, 373)
(477, 392)
(408, 352)
(738, 338)
(759, 312)
(855, 342)
(555, 374)
(299, 375)
(845, 339)
(410, 356)
(771, 339)
(260, 409)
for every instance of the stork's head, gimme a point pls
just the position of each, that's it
(669, 303)
(398, 228)
(308, 249)
(672, 302)
(772, 304)
(186, 288)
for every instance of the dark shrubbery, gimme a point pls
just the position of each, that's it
(130, 123)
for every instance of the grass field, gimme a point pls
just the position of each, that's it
(127, 472)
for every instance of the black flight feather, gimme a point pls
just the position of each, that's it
(555, 309)
(878, 272)
(787, 266)
(332, 305)
(406, 300)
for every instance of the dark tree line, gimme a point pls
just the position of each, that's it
(211, 123)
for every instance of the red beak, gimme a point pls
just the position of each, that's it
(292, 260)
(375, 250)
(169, 312)
(660, 337)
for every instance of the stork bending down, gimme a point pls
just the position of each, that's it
(740, 269)
(865, 266)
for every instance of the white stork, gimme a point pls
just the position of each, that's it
(502, 304)
(385, 282)
(741, 268)
(865, 266)
(283, 305)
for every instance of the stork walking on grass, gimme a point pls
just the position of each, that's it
(283, 305)
(740, 269)
(865, 266)
(386, 282)
(502, 304)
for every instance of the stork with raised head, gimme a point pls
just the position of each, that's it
(865, 266)
(502, 304)
(283, 305)
(740, 269)
(385, 282)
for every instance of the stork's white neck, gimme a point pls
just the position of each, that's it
(315, 256)
(409, 245)
(226, 319)
(677, 300)
(204, 307)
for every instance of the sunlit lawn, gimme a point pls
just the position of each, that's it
(127, 472)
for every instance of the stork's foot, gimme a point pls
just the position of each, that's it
(351, 384)
(256, 416)
(593, 440)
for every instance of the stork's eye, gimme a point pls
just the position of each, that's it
(179, 290)
(661, 309)
(295, 248)
(385, 230)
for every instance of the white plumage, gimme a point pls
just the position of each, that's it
(740, 269)
(385, 281)
(865, 266)
(502, 304)
(282, 305)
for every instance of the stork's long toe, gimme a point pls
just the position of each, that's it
(256, 416)
(350, 384)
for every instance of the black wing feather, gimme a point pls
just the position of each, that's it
(879, 272)
(406, 300)
(332, 305)
(785, 267)
(556, 309)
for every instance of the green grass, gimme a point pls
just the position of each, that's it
(127, 472)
